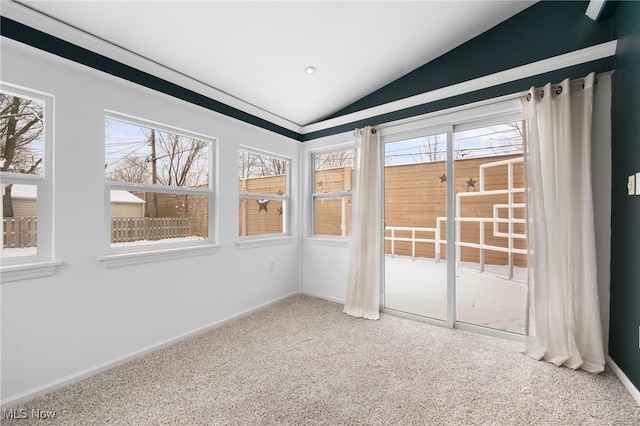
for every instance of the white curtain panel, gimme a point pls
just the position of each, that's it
(562, 260)
(363, 281)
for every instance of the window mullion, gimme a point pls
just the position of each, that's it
(341, 194)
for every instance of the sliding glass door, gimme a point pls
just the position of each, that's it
(415, 216)
(490, 237)
(468, 181)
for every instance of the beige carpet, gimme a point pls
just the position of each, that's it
(303, 362)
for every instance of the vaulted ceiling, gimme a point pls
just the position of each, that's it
(256, 52)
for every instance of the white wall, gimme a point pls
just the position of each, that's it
(58, 329)
(324, 260)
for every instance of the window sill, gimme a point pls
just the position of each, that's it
(328, 241)
(29, 270)
(265, 241)
(135, 258)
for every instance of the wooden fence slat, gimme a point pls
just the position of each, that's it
(19, 232)
(149, 228)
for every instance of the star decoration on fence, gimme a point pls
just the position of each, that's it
(263, 205)
(471, 184)
(443, 178)
(280, 211)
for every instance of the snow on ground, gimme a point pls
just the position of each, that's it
(30, 251)
(487, 299)
(16, 252)
(163, 241)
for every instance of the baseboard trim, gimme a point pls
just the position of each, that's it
(322, 296)
(635, 392)
(38, 391)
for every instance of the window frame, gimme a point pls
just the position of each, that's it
(314, 195)
(160, 250)
(276, 238)
(41, 263)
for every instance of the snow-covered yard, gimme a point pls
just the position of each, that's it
(16, 252)
(487, 299)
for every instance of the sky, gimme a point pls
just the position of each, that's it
(485, 141)
(124, 139)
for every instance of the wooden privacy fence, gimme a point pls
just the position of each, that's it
(22, 232)
(129, 229)
(19, 232)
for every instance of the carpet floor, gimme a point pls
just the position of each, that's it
(303, 362)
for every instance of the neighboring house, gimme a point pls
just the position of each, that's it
(123, 203)
(23, 198)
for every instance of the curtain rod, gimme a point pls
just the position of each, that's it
(484, 102)
(557, 88)
(373, 131)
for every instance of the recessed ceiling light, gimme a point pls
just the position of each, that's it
(310, 70)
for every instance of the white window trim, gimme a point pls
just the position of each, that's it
(29, 270)
(285, 237)
(148, 256)
(42, 263)
(327, 240)
(264, 240)
(330, 240)
(160, 250)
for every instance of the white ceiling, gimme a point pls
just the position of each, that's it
(257, 51)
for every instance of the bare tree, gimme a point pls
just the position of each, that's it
(21, 123)
(159, 158)
(515, 134)
(182, 160)
(430, 149)
(275, 167)
(253, 165)
(507, 139)
(246, 165)
(334, 160)
(131, 169)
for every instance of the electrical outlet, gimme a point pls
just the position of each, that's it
(631, 185)
(638, 183)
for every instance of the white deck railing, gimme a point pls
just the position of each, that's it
(436, 240)
(496, 220)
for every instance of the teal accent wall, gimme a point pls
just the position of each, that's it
(625, 210)
(43, 41)
(575, 72)
(544, 30)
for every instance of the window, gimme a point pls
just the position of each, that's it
(158, 186)
(25, 145)
(331, 192)
(263, 184)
